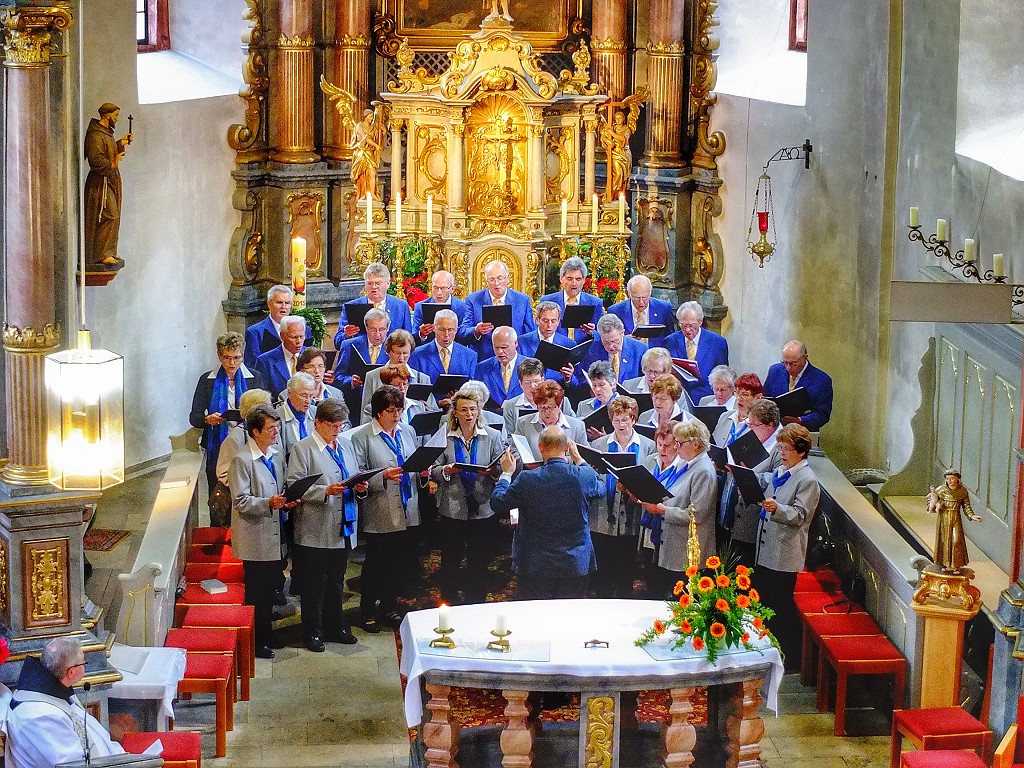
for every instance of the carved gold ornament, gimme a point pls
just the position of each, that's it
(305, 212)
(46, 574)
(598, 752)
(385, 39)
(710, 145)
(498, 79)
(355, 42)
(5, 583)
(431, 158)
(29, 339)
(611, 45)
(947, 589)
(410, 80)
(251, 256)
(242, 138)
(28, 41)
(298, 42)
(578, 82)
(495, 152)
(559, 163)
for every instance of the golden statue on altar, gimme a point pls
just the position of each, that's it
(368, 136)
(616, 131)
(948, 502)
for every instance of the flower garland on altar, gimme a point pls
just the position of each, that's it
(715, 611)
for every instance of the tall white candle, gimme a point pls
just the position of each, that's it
(444, 617)
(369, 213)
(970, 251)
(593, 215)
(915, 217)
(398, 215)
(501, 623)
(622, 213)
(565, 214)
(997, 264)
(298, 264)
(430, 214)
(941, 229)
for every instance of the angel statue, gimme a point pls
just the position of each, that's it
(948, 502)
(368, 136)
(499, 9)
(615, 133)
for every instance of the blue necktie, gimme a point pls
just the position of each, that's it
(282, 513)
(734, 433)
(302, 421)
(349, 526)
(405, 486)
(777, 482)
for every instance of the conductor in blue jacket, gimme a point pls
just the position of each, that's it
(795, 371)
(552, 553)
(474, 332)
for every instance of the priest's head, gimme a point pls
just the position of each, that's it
(279, 302)
(64, 658)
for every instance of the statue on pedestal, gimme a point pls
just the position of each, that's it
(948, 502)
(615, 131)
(368, 136)
(499, 9)
(103, 189)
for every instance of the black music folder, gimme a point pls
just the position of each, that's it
(429, 309)
(648, 331)
(426, 423)
(497, 315)
(709, 414)
(576, 315)
(359, 477)
(422, 458)
(447, 383)
(232, 414)
(419, 391)
(296, 490)
(748, 485)
(555, 357)
(599, 420)
(330, 355)
(355, 313)
(795, 403)
(357, 365)
(606, 461)
(639, 481)
(718, 455)
(747, 450)
(480, 468)
(647, 430)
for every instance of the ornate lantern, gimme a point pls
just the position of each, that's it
(764, 213)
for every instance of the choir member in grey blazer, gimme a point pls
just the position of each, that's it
(399, 378)
(698, 485)
(229, 449)
(615, 517)
(763, 420)
(669, 402)
(390, 511)
(325, 524)
(297, 412)
(399, 347)
(466, 524)
(655, 362)
(549, 397)
(733, 423)
(530, 371)
(602, 386)
(256, 479)
(313, 362)
(723, 385)
(793, 494)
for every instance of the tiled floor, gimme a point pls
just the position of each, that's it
(343, 708)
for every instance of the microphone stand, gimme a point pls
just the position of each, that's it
(85, 721)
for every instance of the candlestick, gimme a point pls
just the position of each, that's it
(915, 216)
(969, 249)
(443, 641)
(622, 213)
(501, 644)
(593, 215)
(430, 214)
(997, 265)
(500, 622)
(565, 214)
(369, 213)
(398, 214)
(444, 616)
(941, 229)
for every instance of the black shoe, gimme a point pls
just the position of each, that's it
(315, 644)
(392, 619)
(280, 599)
(370, 625)
(345, 637)
(264, 652)
(277, 642)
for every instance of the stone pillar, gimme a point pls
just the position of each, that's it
(292, 109)
(666, 80)
(396, 158)
(350, 56)
(608, 46)
(30, 327)
(590, 126)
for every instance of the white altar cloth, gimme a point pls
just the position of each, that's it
(149, 673)
(567, 625)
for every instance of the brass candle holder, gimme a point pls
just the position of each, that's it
(501, 644)
(443, 641)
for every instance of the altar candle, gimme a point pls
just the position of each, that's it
(565, 214)
(398, 215)
(622, 213)
(430, 214)
(501, 623)
(444, 617)
(369, 213)
(915, 216)
(997, 264)
(940, 229)
(298, 264)
(593, 215)
(969, 249)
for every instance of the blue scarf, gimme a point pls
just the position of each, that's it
(667, 477)
(610, 479)
(468, 479)
(406, 484)
(301, 417)
(778, 480)
(218, 404)
(349, 526)
(733, 433)
(282, 513)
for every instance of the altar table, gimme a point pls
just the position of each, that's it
(548, 654)
(149, 684)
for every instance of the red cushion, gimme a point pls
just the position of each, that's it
(203, 640)
(219, 616)
(211, 535)
(821, 602)
(938, 721)
(229, 573)
(861, 648)
(211, 553)
(805, 582)
(177, 745)
(828, 579)
(196, 595)
(207, 666)
(824, 624)
(943, 758)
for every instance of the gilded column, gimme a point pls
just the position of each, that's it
(590, 126)
(456, 151)
(396, 158)
(608, 46)
(536, 202)
(30, 327)
(249, 139)
(293, 79)
(350, 56)
(666, 79)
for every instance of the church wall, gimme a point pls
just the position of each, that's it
(162, 312)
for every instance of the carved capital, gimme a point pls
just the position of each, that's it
(590, 125)
(458, 129)
(396, 124)
(611, 45)
(30, 340)
(298, 41)
(28, 38)
(668, 50)
(353, 41)
(385, 39)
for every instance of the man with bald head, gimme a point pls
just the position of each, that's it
(498, 373)
(552, 553)
(442, 286)
(795, 371)
(474, 332)
(642, 309)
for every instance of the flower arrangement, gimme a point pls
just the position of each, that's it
(714, 611)
(415, 278)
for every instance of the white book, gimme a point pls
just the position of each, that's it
(214, 586)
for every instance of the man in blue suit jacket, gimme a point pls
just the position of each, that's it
(711, 349)
(795, 371)
(491, 372)
(641, 309)
(264, 336)
(612, 344)
(571, 275)
(428, 358)
(442, 286)
(278, 365)
(376, 281)
(552, 553)
(549, 315)
(474, 332)
(366, 344)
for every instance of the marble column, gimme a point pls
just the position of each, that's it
(30, 326)
(536, 201)
(666, 80)
(292, 108)
(608, 46)
(350, 56)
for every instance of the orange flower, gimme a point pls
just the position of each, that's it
(745, 638)
(679, 587)
(686, 627)
(743, 581)
(754, 596)
(705, 584)
(713, 562)
(698, 644)
(691, 571)
(742, 601)
(763, 634)
(684, 600)
(717, 630)
(721, 604)
(742, 570)
(758, 623)
(659, 627)
(722, 581)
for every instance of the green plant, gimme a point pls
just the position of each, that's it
(315, 322)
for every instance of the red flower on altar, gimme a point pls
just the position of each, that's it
(722, 605)
(705, 584)
(684, 600)
(5, 650)
(743, 581)
(659, 626)
(713, 562)
(722, 581)
(691, 571)
(678, 588)
(698, 644)
(742, 601)
(717, 630)
(745, 638)
(685, 627)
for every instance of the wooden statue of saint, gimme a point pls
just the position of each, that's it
(102, 210)
(948, 502)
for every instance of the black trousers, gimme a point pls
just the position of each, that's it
(616, 565)
(322, 575)
(537, 586)
(389, 567)
(664, 582)
(261, 577)
(476, 540)
(776, 589)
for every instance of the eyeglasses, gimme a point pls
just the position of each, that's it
(76, 666)
(231, 358)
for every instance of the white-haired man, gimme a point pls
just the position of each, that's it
(443, 354)
(498, 373)
(278, 365)
(376, 281)
(474, 332)
(642, 309)
(694, 342)
(442, 287)
(265, 335)
(612, 344)
(370, 346)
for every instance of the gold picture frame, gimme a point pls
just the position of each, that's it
(440, 24)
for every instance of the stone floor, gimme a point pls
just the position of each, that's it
(343, 708)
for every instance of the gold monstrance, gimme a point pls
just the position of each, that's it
(693, 545)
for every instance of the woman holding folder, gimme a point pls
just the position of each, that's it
(467, 526)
